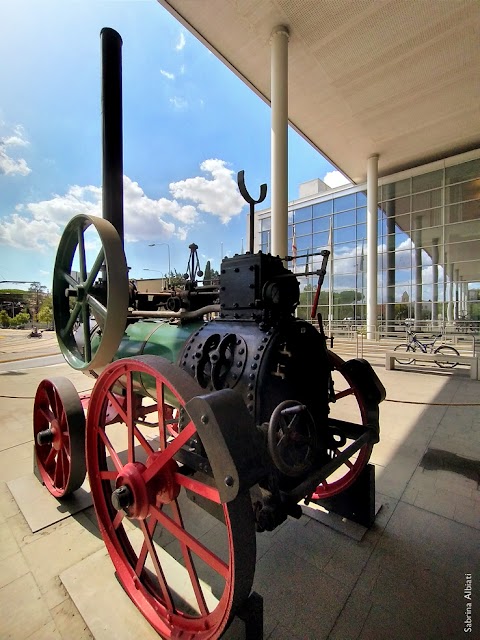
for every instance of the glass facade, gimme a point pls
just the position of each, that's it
(428, 248)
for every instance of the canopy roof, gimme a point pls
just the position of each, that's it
(400, 78)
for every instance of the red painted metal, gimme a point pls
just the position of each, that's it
(186, 570)
(350, 470)
(58, 412)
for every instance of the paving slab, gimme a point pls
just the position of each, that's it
(39, 508)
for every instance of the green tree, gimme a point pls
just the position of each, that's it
(4, 319)
(45, 313)
(207, 276)
(36, 294)
(20, 319)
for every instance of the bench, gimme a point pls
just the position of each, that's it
(392, 356)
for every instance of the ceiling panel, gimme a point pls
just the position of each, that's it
(400, 78)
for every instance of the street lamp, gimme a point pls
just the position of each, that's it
(160, 244)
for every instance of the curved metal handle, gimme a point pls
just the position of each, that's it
(248, 198)
(243, 190)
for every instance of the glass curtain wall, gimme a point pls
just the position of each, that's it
(429, 258)
(428, 251)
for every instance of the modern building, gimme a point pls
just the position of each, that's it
(428, 246)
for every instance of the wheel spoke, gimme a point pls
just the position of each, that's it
(116, 405)
(87, 349)
(343, 394)
(81, 255)
(58, 475)
(129, 423)
(97, 307)
(192, 572)
(158, 569)
(51, 457)
(113, 454)
(70, 280)
(117, 521)
(174, 446)
(192, 543)
(72, 319)
(197, 487)
(97, 265)
(161, 415)
(108, 475)
(47, 413)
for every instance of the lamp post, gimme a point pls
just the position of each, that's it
(160, 244)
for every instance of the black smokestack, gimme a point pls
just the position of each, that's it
(112, 134)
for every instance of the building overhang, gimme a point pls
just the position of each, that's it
(397, 78)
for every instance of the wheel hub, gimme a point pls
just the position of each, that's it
(133, 496)
(52, 436)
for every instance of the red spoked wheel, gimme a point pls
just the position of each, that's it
(59, 435)
(348, 402)
(185, 567)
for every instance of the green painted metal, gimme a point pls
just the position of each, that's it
(157, 338)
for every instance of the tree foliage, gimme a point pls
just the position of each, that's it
(45, 313)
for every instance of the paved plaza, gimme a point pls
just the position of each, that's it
(404, 579)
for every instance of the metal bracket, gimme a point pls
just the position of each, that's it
(233, 444)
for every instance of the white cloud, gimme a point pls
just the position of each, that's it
(8, 164)
(179, 103)
(167, 74)
(39, 225)
(219, 196)
(335, 179)
(180, 42)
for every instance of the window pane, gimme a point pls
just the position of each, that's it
(396, 189)
(361, 199)
(343, 203)
(302, 214)
(427, 200)
(464, 211)
(265, 224)
(321, 224)
(465, 191)
(461, 172)
(320, 241)
(303, 228)
(361, 215)
(322, 208)
(427, 181)
(344, 219)
(345, 234)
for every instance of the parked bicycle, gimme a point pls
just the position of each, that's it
(413, 344)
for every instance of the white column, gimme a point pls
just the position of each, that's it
(435, 256)
(450, 293)
(456, 306)
(372, 245)
(279, 140)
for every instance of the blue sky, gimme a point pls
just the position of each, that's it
(189, 126)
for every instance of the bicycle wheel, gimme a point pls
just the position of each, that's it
(404, 348)
(446, 351)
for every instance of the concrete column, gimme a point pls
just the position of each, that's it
(372, 245)
(418, 271)
(390, 312)
(457, 296)
(450, 293)
(465, 299)
(435, 256)
(279, 140)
